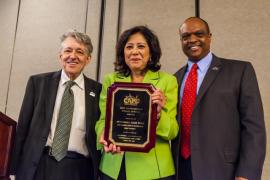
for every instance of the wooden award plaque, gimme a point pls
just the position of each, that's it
(131, 117)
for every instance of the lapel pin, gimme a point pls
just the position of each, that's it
(92, 94)
(215, 68)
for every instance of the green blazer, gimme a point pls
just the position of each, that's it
(158, 162)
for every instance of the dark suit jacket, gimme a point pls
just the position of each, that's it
(227, 126)
(35, 121)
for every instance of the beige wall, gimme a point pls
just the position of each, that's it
(109, 37)
(30, 45)
(8, 18)
(40, 24)
(163, 17)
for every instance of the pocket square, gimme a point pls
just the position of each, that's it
(92, 94)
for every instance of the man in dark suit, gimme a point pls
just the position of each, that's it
(55, 137)
(220, 113)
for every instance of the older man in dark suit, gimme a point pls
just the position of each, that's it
(55, 137)
(220, 113)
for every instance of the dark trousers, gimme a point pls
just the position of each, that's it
(184, 169)
(66, 169)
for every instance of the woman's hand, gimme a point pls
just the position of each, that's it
(112, 148)
(158, 98)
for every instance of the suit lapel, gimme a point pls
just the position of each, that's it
(121, 78)
(90, 94)
(209, 78)
(151, 77)
(179, 76)
(52, 85)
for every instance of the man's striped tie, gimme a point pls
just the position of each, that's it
(62, 131)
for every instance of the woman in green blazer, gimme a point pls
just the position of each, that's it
(138, 54)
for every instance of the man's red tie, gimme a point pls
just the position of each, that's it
(188, 102)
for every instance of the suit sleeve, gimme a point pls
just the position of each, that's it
(24, 121)
(253, 135)
(167, 127)
(102, 106)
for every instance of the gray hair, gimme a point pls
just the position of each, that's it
(80, 37)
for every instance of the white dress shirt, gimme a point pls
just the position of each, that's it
(77, 141)
(203, 66)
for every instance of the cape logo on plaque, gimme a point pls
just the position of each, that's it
(131, 117)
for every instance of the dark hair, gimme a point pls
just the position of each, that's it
(202, 20)
(152, 40)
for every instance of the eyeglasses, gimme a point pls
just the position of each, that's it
(78, 52)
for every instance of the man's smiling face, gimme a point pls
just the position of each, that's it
(195, 38)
